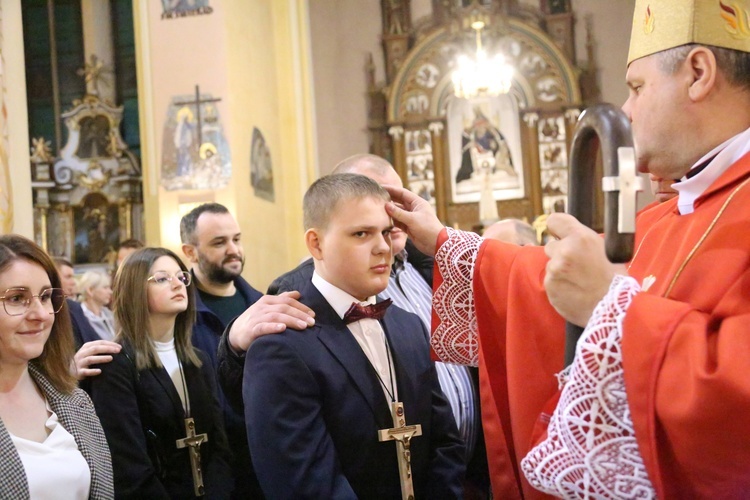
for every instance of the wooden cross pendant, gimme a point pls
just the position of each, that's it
(193, 442)
(402, 434)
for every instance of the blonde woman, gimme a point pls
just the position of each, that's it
(96, 293)
(159, 383)
(51, 442)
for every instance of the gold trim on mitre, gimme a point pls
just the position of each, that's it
(663, 24)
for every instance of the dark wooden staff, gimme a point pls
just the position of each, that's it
(604, 127)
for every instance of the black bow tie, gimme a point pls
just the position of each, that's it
(375, 311)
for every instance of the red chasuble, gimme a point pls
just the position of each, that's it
(685, 344)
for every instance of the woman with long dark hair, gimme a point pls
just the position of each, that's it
(157, 398)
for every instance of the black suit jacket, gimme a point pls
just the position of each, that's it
(314, 405)
(82, 330)
(143, 417)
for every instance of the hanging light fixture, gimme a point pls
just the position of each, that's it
(482, 76)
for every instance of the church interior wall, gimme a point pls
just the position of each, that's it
(246, 53)
(343, 32)
(172, 74)
(295, 70)
(270, 90)
(14, 82)
(340, 46)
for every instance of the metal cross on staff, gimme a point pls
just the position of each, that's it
(197, 103)
(402, 434)
(604, 127)
(193, 442)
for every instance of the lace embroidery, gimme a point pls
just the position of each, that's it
(590, 450)
(455, 339)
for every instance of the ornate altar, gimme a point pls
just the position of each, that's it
(89, 198)
(512, 147)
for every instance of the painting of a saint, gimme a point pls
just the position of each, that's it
(181, 8)
(94, 137)
(483, 145)
(261, 169)
(96, 229)
(195, 152)
(485, 149)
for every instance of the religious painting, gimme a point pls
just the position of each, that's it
(94, 137)
(553, 156)
(172, 9)
(195, 152)
(261, 168)
(484, 144)
(420, 174)
(97, 230)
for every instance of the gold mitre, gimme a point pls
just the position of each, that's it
(663, 24)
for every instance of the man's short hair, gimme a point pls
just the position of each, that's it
(363, 163)
(132, 243)
(190, 220)
(61, 262)
(734, 64)
(324, 195)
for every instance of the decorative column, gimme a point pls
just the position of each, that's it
(98, 49)
(438, 168)
(399, 150)
(571, 119)
(41, 184)
(559, 20)
(531, 119)
(396, 29)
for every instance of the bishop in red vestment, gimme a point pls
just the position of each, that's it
(656, 402)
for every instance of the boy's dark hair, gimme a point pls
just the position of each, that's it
(324, 195)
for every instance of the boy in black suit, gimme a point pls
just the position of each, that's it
(316, 399)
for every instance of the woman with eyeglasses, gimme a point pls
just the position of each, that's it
(157, 397)
(51, 442)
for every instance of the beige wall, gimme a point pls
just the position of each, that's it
(264, 82)
(16, 170)
(344, 31)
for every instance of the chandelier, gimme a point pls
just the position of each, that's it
(482, 77)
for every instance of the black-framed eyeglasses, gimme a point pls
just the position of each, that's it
(16, 301)
(163, 277)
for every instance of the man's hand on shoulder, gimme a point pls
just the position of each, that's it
(95, 352)
(270, 314)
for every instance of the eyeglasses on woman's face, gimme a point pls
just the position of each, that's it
(164, 278)
(16, 301)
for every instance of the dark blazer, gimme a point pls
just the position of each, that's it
(143, 417)
(302, 274)
(82, 330)
(314, 405)
(76, 414)
(207, 331)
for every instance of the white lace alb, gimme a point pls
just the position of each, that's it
(590, 450)
(456, 338)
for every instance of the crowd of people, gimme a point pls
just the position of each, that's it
(167, 381)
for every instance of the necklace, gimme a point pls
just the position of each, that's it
(192, 441)
(391, 393)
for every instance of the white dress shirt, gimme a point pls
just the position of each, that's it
(55, 469)
(367, 332)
